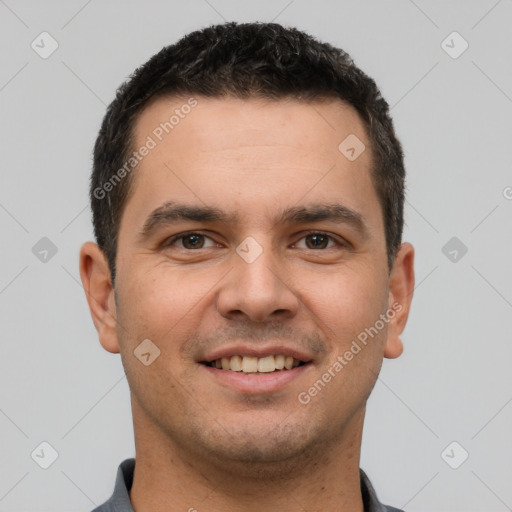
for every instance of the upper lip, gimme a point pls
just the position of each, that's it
(260, 351)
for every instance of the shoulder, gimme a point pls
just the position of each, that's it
(120, 499)
(370, 500)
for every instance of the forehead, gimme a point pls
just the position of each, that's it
(315, 125)
(231, 153)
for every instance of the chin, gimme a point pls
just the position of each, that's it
(258, 446)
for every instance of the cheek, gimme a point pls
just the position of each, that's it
(346, 302)
(162, 303)
(343, 305)
(155, 305)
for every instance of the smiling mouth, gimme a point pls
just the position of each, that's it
(255, 365)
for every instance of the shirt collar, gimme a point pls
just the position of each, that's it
(120, 500)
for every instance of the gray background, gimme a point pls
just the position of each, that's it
(453, 382)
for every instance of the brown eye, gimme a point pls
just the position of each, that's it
(189, 241)
(318, 241)
(194, 241)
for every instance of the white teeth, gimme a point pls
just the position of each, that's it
(279, 362)
(266, 364)
(250, 364)
(236, 364)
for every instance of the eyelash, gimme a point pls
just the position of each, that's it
(170, 241)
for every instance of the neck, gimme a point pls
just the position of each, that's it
(170, 478)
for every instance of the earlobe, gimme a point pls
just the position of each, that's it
(401, 288)
(95, 275)
(394, 347)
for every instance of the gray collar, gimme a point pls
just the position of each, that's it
(120, 500)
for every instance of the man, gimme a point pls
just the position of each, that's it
(247, 198)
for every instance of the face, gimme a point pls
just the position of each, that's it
(249, 236)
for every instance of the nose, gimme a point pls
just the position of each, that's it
(259, 290)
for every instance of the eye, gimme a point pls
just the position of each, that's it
(315, 240)
(318, 240)
(190, 240)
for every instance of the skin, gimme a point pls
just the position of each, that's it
(202, 445)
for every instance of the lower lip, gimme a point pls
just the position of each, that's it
(259, 383)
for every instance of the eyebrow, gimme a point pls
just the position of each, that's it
(172, 212)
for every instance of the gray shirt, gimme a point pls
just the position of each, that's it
(120, 500)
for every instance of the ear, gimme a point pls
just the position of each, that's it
(401, 288)
(99, 292)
